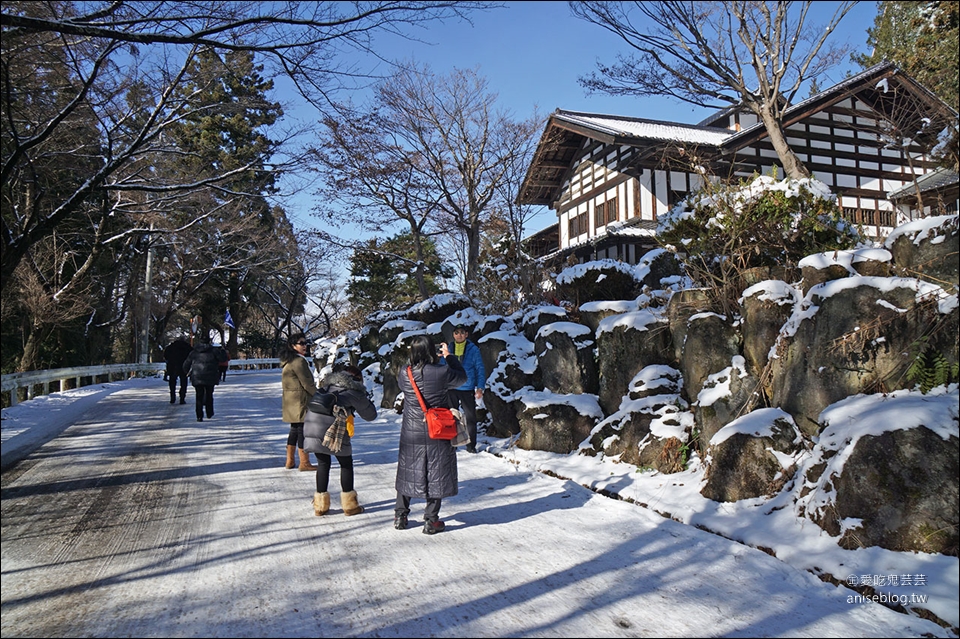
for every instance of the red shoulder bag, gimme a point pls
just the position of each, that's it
(441, 424)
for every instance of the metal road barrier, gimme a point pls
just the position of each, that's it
(39, 382)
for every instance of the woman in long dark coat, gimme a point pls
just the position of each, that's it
(426, 468)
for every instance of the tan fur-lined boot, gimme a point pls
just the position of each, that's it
(350, 504)
(291, 453)
(305, 460)
(321, 503)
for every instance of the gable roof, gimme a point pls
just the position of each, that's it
(938, 180)
(876, 86)
(566, 131)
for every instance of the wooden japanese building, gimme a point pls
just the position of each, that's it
(869, 138)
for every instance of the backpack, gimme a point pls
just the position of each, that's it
(322, 402)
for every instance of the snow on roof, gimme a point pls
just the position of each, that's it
(927, 182)
(646, 129)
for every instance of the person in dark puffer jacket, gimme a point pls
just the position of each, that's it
(346, 383)
(426, 468)
(203, 367)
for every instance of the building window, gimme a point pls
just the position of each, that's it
(599, 216)
(611, 210)
(867, 217)
(577, 225)
(605, 213)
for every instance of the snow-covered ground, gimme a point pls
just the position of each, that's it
(529, 549)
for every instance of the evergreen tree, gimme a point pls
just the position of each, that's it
(922, 39)
(382, 275)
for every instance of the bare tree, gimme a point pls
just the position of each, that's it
(371, 181)
(119, 67)
(744, 52)
(465, 146)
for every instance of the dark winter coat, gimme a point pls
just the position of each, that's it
(352, 395)
(203, 364)
(175, 355)
(297, 386)
(427, 467)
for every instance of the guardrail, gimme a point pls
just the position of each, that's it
(39, 382)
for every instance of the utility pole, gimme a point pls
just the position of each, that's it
(147, 296)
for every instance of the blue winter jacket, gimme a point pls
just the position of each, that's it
(473, 365)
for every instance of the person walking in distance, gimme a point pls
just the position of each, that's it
(345, 384)
(466, 396)
(203, 367)
(224, 365)
(298, 386)
(174, 355)
(426, 468)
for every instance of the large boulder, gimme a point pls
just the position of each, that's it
(682, 306)
(626, 344)
(927, 249)
(752, 456)
(725, 396)
(592, 313)
(834, 265)
(438, 308)
(658, 269)
(710, 344)
(885, 470)
(598, 280)
(765, 307)
(531, 320)
(492, 346)
(855, 335)
(515, 373)
(556, 423)
(394, 358)
(651, 429)
(566, 358)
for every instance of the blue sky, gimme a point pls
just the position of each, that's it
(533, 53)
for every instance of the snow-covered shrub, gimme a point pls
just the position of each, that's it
(764, 223)
(723, 231)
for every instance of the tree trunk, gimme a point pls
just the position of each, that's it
(30, 359)
(421, 265)
(473, 254)
(792, 166)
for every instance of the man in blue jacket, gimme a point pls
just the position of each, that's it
(466, 396)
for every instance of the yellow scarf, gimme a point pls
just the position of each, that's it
(459, 349)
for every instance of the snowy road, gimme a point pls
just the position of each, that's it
(139, 521)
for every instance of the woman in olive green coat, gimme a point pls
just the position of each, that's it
(298, 387)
